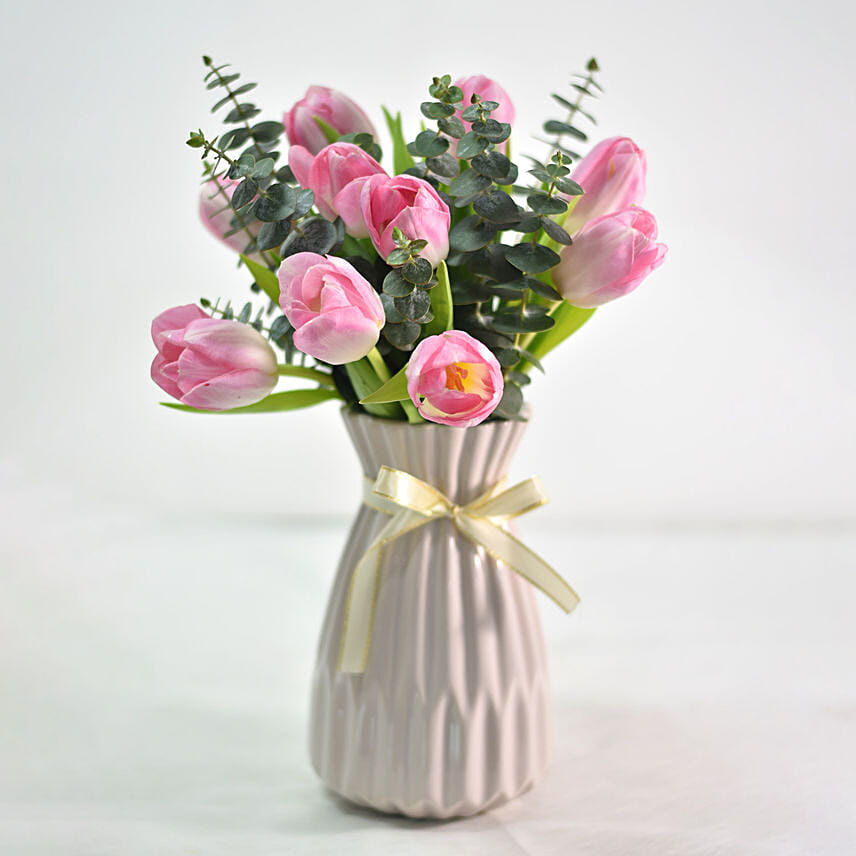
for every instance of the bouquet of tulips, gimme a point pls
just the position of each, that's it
(426, 289)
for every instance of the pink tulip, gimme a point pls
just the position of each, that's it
(335, 312)
(211, 363)
(331, 107)
(609, 257)
(454, 379)
(487, 90)
(410, 204)
(336, 175)
(612, 175)
(216, 214)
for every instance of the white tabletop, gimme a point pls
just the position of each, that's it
(155, 682)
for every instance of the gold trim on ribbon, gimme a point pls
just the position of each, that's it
(411, 503)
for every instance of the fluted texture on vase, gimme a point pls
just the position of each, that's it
(452, 714)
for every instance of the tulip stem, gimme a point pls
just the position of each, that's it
(382, 371)
(321, 378)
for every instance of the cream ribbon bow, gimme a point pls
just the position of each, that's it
(413, 503)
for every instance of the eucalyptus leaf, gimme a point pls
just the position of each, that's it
(395, 285)
(493, 164)
(267, 132)
(244, 193)
(402, 336)
(272, 234)
(498, 207)
(469, 183)
(471, 145)
(532, 258)
(315, 235)
(414, 305)
(278, 203)
(544, 204)
(471, 233)
(452, 126)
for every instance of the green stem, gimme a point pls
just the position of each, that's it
(321, 378)
(377, 363)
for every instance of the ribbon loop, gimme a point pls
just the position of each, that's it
(411, 503)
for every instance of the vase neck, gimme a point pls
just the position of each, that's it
(461, 462)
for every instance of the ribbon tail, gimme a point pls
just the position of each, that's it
(362, 593)
(504, 547)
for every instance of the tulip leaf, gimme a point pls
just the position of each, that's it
(329, 132)
(568, 320)
(441, 304)
(401, 159)
(364, 379)
(395, 389)
(266, 279)
(293, 399)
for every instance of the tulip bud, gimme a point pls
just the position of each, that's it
(410, 204)
(333, 108)
(336, 175)
(610, 256)
(211, 363)
(453, 379)
(612, 175)
(335, 312)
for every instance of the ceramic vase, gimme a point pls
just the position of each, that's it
(452, 713)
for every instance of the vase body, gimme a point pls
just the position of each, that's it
(452, 713)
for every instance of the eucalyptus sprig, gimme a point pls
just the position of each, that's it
(405, 298)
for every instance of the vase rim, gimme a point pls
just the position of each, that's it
(349, 413)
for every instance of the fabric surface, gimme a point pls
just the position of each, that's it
(155, 683)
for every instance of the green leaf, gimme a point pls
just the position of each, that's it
(492, 164)
(395, 389)
(497, 206)
(402, 336)
(452, 126)
(471, 145)
(469, 183)
(293, 399)
(441, 304)
(266, 279)
(569, 186)
(395, 285)
(544, 204)
(331, 134)
(532, 258)
(401, 159)
(244, 193)
(554, 127)
(415, 305)
(471, 234)
(568, 320)
(267, 132)
(429, 144)
(316, 235)
(436, 110)
(263, 168)
(278, 203)
(418, 271)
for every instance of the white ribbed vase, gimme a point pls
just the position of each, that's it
(452, 714)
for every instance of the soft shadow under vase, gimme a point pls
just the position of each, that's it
(452, 714)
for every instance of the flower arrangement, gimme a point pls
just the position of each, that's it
(426, 291)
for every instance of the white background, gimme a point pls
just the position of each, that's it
(721, 390)
(163, 576)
